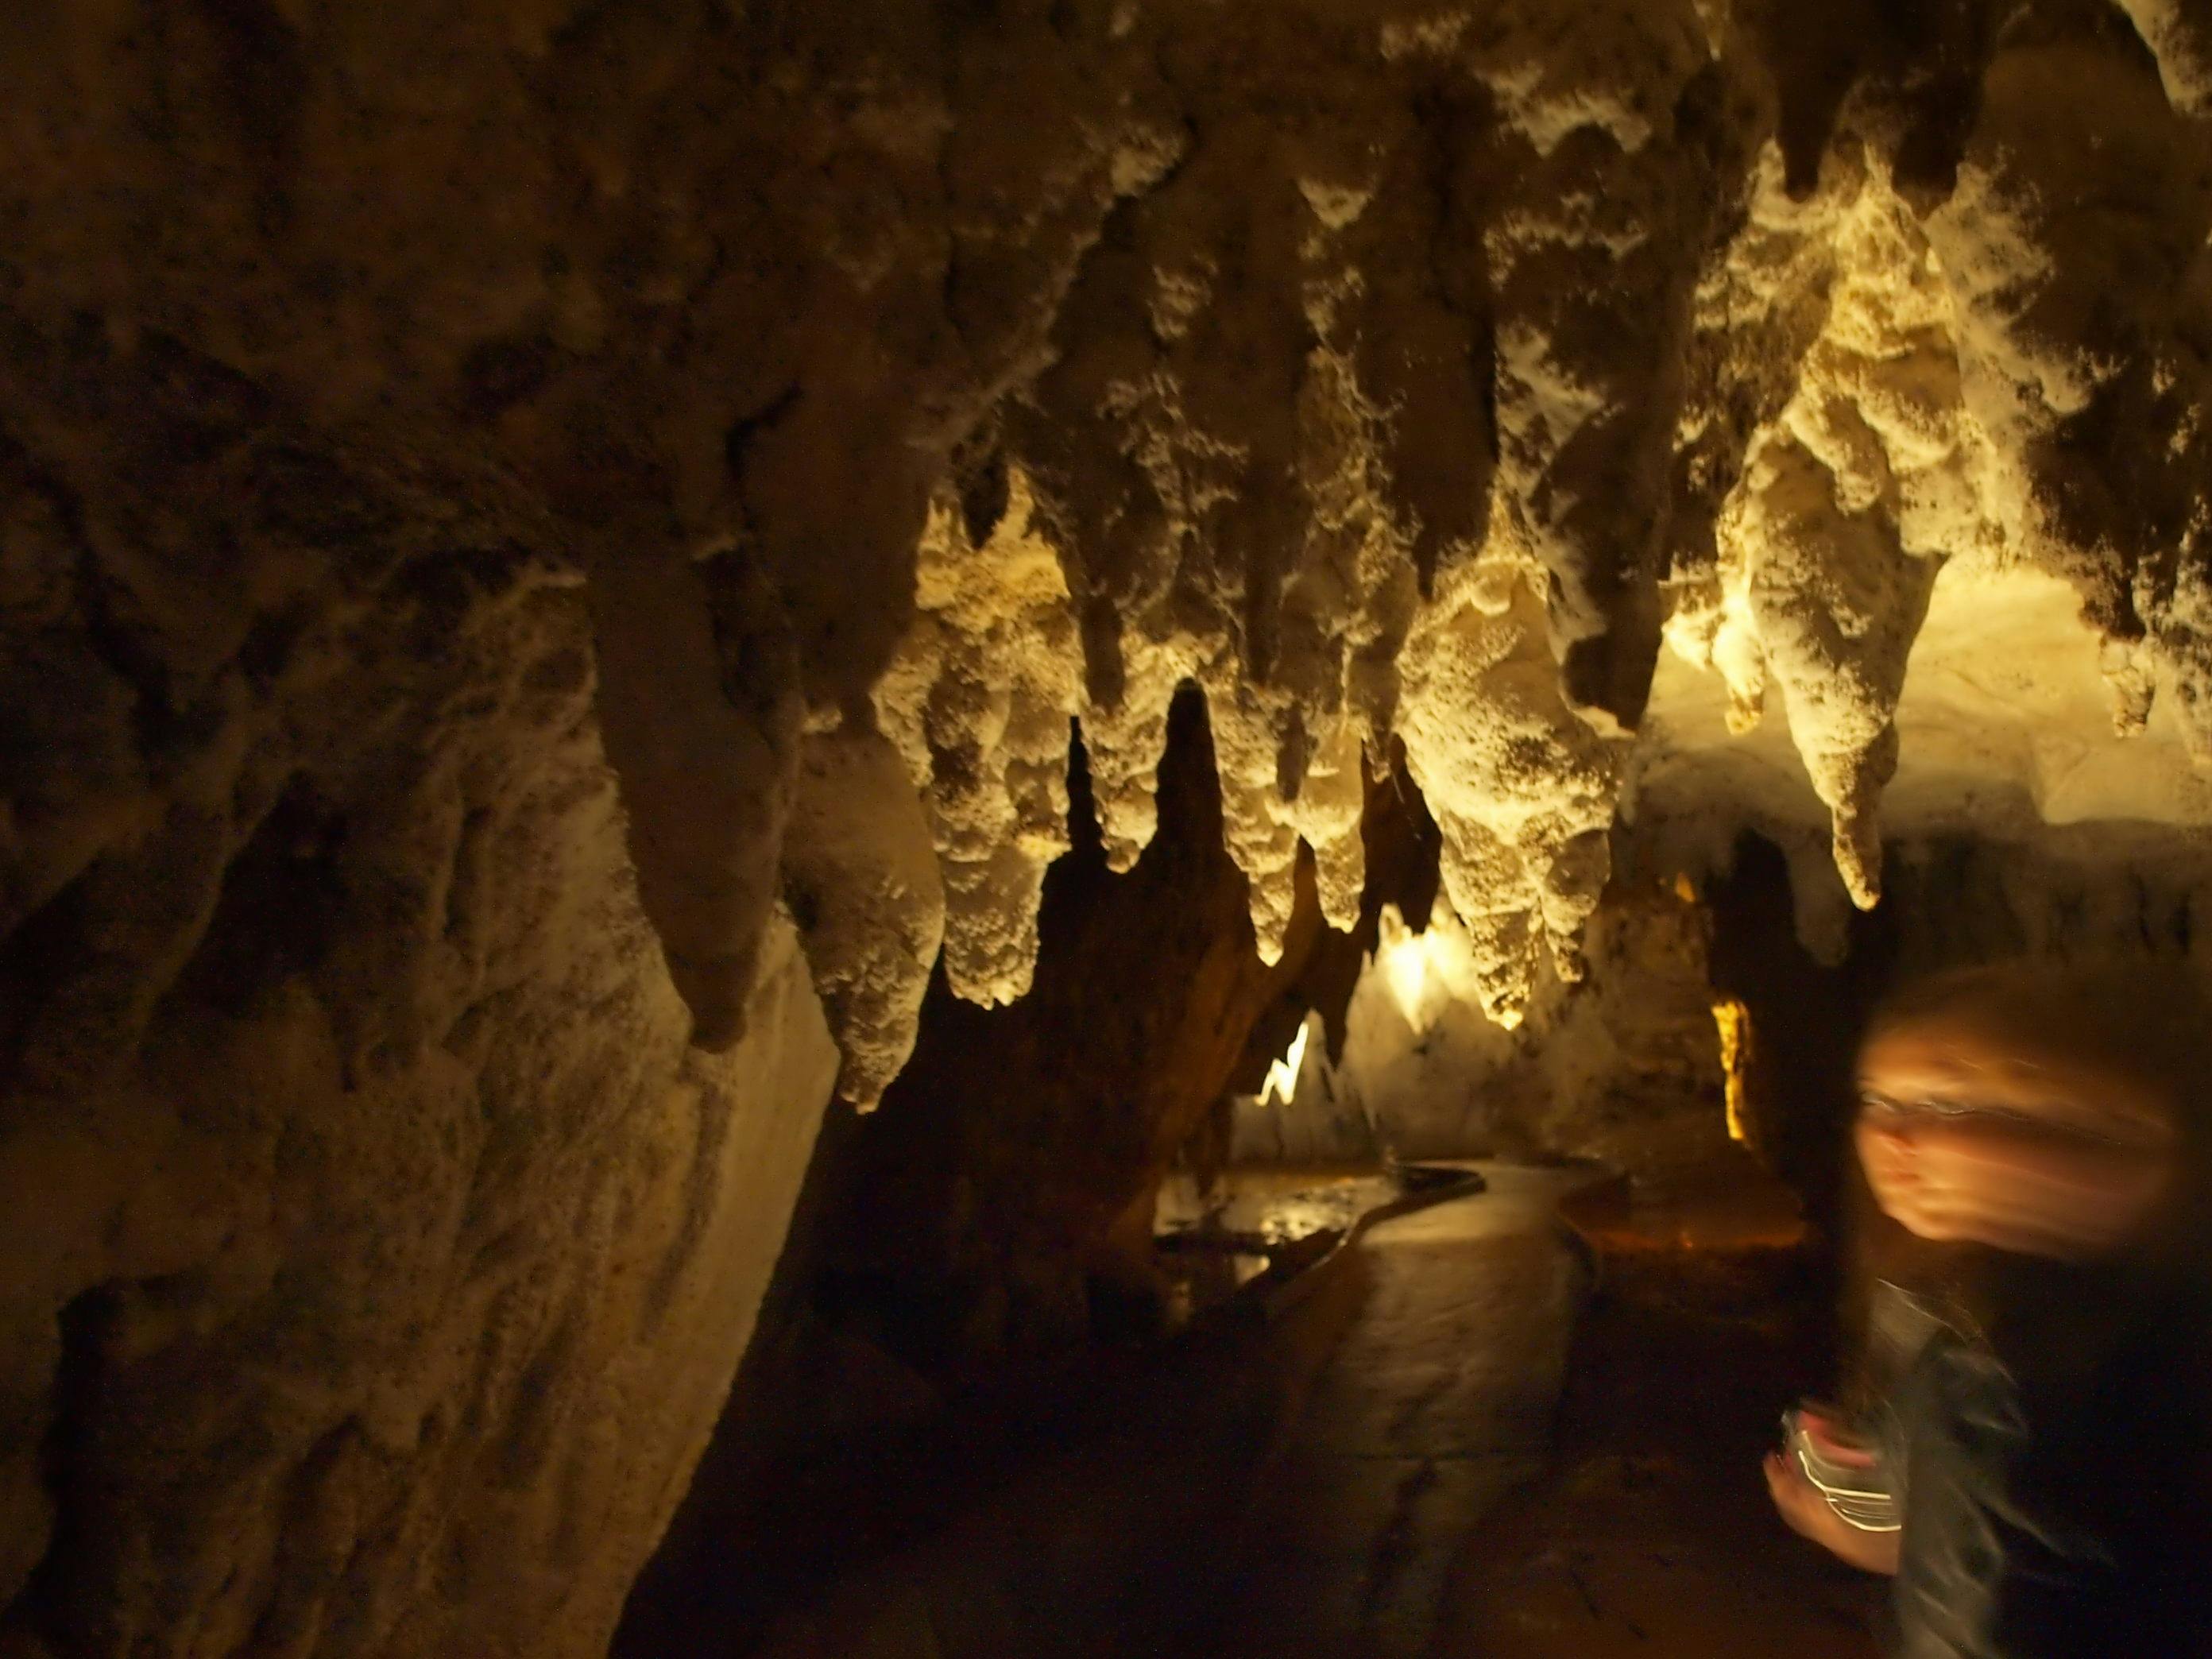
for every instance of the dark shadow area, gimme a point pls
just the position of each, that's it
(957, 1294)
(1651, 1536)
(1403, 849)
(1805, 1019)
(964, 1414)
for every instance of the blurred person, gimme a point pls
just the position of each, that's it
(2033, 1468)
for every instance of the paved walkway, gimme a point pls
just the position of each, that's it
(1650, 1532)
(1425, 1505)
(1484, 1460)
(1436, 1403)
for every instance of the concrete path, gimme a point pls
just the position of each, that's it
(1483, 1459)
(1496, 1465)
(1649, 1533)
(1437, 1402)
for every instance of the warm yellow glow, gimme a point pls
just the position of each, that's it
(1404, 959)
(1733, 1020)
(1685, 889)
(1283, 1074)
(1434, 971)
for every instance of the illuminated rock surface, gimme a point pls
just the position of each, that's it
(385, 1248)
(499, 504)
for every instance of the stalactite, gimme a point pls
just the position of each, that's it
(489, 497)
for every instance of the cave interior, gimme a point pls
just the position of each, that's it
(993, 827)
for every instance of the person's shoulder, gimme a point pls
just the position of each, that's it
(1902, 1321)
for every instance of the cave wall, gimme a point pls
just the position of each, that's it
(385, 1249)
(1624, 1063)
(500, 499)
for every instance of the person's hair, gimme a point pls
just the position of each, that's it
(2144, 1024)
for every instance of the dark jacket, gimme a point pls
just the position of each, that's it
(2050, 1452)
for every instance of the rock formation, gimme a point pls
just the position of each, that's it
(516, 519)
(386, 1246)
(987, 1189)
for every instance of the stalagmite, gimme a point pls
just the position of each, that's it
(552, 558)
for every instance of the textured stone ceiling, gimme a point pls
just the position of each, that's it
(1381, 368)
(691, 458)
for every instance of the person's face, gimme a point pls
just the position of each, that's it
(1965, 1141)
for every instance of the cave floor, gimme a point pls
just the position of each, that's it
(1479, 1471)
(1494, 1436)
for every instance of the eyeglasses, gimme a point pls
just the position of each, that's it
(2015, 1122)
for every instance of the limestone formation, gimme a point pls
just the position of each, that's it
(861, 873)
(1524, 796)
(1869, 476)
(988, 1184)
(497, 499)
(978, 700)
(386, 1246)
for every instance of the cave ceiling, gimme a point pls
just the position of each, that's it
(550, 551)
(901, 381)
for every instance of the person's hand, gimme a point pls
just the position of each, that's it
(1807, 1514)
